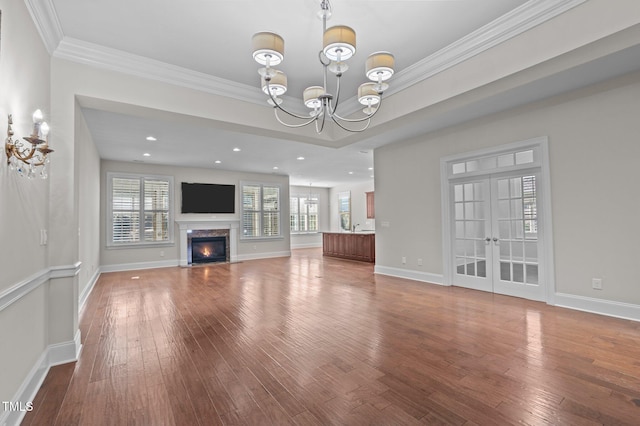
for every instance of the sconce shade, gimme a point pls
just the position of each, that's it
(277, 85)
(379, 66)
(367, 94)
(339, 43)
(268, 46)
(311, 95)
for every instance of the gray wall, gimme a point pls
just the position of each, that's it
(125, 258)
(594, 158)
(88, 207)
(24, 204)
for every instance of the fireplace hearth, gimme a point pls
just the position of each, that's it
(208, 249)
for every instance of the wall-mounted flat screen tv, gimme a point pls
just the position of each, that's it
(208, 198)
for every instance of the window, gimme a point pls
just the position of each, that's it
(260, 211)
(139, 209)
(304, 213)
(344, 209)
(496, 161)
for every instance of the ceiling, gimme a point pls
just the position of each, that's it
(212, 38)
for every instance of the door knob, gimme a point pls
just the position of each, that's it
(495, 240)
(487, 239)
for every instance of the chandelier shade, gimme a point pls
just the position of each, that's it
(311, 96)
(277, 85)
(339, 43)
(379, 66)
(368, 95)
(268, 48)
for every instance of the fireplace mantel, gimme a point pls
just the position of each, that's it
(198, 224)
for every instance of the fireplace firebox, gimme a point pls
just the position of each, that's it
(208, 249)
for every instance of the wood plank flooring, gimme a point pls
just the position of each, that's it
(312, 340)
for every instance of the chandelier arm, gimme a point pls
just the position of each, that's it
(319, 130)
(276, 105)
(275, 111)
(359, 120)
(335, 105)
(351, 130)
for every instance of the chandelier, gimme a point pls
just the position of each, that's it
(25, 158)
(339, 44)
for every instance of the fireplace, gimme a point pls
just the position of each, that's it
(193, 229)
(209, 249)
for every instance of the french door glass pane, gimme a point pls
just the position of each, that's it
(517, 228)
(470, 228)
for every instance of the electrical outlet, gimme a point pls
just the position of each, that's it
(419, 262)
(161, 253)
(596, 283)
(404, 260)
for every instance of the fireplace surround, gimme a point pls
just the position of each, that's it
(189, 229)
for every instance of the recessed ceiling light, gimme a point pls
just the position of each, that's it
(350, 173)
(236, 150)
(146, 154)
(276, 168)
(151, 138)
(300, 158)
(370, 168)
(218, 161)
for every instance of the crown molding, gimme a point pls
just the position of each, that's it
(519, 20)
(45, 18)
(509, 25)
(116, 60)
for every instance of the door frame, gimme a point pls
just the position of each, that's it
(541, 146)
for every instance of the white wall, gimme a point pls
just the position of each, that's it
(358, 206)
(168, 255)
(594, 157)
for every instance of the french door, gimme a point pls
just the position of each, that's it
(495, 230)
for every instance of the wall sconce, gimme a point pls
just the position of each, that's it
(25, 158)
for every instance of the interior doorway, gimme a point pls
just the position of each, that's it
(496, 222)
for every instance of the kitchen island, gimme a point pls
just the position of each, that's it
(350, 245)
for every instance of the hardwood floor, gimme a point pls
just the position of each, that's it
(309, 340)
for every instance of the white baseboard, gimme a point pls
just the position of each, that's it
(306, 245)
(60, 353)
(175, 262)
(598, 306)
(88, 289)
(139, 265)
(610, 308)
(410, 274)
(258, 256)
